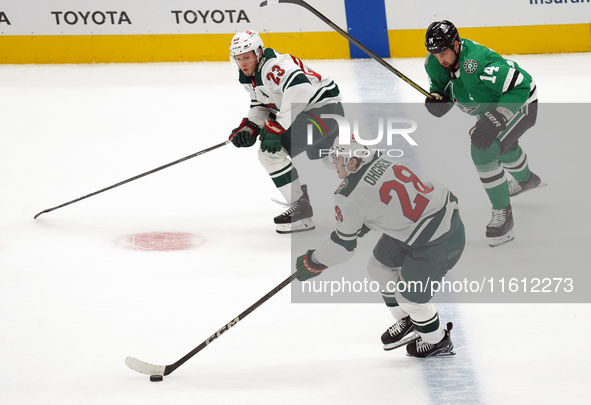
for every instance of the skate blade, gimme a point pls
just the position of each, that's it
(411, 337)
(444, 354)
(303, 225)
(542, 184)
(508, 237)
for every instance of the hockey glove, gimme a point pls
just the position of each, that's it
(307, 267)
(271, 136)
(487, 128)
(245, 135)
(439, 105)
(363, 231)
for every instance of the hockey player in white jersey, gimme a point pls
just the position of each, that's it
(422, 238)
(286, 97)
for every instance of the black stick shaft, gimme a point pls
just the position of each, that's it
(170, 368)
(135, 177)
(356, 42)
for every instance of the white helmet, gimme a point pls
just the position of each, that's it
(246, 41)
(348, 152)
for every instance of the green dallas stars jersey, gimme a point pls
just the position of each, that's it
(286, 86)
(483, 81)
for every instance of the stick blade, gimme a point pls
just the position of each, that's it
(143, 367)
(42, 212)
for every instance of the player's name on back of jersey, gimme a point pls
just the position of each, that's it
(372, 176)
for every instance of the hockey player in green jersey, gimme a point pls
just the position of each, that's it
(422, 238)
(503, 97)
(286, 96)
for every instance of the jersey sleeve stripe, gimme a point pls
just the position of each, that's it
(347, 236)
(349, 245)
(328, 91)
(297, 77)
(514, 78)
(256, 103)
(533, 94)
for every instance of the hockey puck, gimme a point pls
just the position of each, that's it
(156, 377)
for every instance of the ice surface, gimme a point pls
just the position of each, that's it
(74, 305)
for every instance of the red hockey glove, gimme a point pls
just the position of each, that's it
(271, 136)
(487, 128)
(307, 267)
(245, 135)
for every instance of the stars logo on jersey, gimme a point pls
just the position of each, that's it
(470, 66)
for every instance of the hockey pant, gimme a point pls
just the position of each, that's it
(294, 141)
(506, 154)
(399, 269)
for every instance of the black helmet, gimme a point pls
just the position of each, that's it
(440, 36)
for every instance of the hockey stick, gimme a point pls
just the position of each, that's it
(351, 39)
(136, 177)
(153, 369)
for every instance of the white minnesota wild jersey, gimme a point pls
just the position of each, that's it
(286, 86)
(389, 198)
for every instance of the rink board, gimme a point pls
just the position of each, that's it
(106, 31)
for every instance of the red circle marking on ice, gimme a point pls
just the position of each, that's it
(160, 241)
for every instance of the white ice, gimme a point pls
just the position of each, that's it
(74, 305)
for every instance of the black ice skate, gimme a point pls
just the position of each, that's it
(422, 349)
(298, 218)
(517, 187)
(499, 229)
(399, 334)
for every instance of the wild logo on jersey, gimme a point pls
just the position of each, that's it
(344, 184)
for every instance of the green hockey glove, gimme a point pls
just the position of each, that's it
(363, 231)
(271, 136)
(439, 104)
(487, 128)
(307, 267)
(245, 135)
